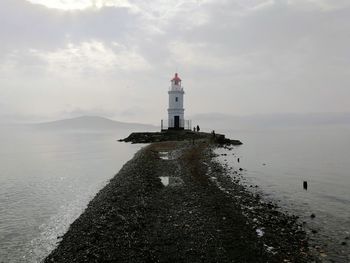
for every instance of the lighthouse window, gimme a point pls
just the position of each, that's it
(176, 99)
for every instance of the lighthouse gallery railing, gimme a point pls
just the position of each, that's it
(170, 124)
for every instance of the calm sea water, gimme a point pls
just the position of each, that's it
(280, 160)
(46, 181)
(48, 178)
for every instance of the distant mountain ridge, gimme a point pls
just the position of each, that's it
(206, 120)
(93, 123)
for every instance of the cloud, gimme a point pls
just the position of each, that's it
(325, 5)
(25, 25)
(92, 58)
(235, 56)
(81, 4)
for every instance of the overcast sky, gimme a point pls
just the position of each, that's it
(114, 58)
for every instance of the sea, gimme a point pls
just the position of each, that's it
(280, 160)
(47, 178)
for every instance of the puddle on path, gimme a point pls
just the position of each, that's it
(170, 180)
(164, 180)
(164, 155)
(169, 155)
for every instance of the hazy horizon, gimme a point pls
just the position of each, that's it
(208, 122)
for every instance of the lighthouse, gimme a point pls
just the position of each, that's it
(176, 120)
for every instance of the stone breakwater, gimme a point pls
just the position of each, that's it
(174, 203)
(149, 137)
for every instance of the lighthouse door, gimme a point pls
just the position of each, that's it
(176, 122)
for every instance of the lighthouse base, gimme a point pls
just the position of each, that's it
(176, 124)
(176, 128)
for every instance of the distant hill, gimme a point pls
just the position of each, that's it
(94, 123)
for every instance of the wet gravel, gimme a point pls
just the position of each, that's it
(203, 214)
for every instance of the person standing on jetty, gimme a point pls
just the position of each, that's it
(198, 129)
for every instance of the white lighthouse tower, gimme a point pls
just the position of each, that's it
(176, 109)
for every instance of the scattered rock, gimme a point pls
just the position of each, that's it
(135, 218)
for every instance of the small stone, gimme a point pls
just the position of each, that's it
(312, 215)
(343, 243)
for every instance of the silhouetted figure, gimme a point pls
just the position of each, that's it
(237, 159)
(213, 133)
(194, 129)
(198, 129)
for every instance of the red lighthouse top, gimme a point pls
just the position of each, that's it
(176, 79)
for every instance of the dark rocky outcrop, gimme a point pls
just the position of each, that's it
(181, 135)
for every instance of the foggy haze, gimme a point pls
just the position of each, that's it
(115, 58)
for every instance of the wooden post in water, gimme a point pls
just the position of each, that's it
(305, 185)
